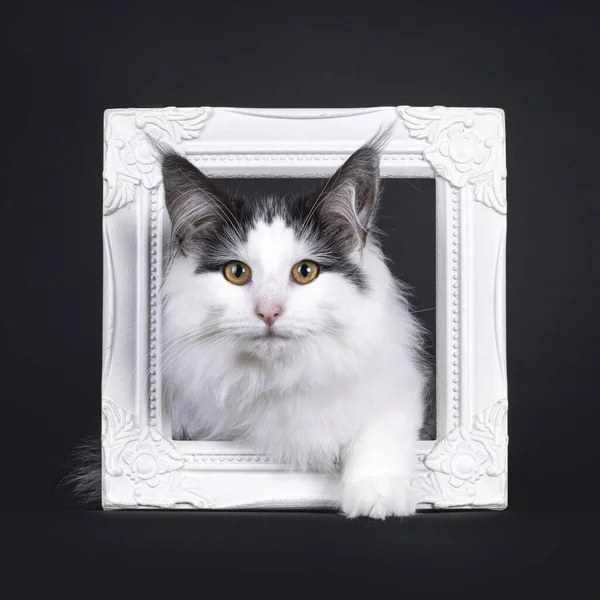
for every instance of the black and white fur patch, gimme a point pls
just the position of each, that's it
(336, 219)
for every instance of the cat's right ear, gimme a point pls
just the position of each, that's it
(195, 205)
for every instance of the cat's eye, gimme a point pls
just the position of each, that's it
(305, 271)
(237, 272)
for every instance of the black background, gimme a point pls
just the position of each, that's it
(66, 63)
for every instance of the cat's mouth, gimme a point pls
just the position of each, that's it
(270, 334)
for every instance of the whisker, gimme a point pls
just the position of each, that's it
(411, 184)
(414, 312)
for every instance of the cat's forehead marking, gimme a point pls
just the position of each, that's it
(271, 244)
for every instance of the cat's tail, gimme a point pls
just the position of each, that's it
(85, 473)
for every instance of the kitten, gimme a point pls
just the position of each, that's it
(285, 329)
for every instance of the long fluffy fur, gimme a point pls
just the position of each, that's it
(342, 389)
(85, 471)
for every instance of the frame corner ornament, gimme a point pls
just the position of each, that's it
(461, 465)
(149, 462)
(465, 147)
(129, 160)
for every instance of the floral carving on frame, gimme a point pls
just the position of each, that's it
(131, 162)
(466, 146)
(148, 460)
(460, 461)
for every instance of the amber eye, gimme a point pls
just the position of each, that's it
(237, 272)
(305, 271)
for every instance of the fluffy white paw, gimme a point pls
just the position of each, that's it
(378, 498)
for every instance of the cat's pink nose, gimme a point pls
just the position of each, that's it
(269, 313)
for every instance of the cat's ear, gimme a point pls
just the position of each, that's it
(348, 202)
(195, 205)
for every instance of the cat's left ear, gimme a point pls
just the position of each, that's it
(348, 202)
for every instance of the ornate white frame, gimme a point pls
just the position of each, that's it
(463, 148)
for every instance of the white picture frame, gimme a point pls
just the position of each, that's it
(462, 148)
